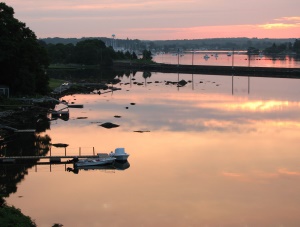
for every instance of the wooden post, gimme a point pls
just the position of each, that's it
(93, 151)
(79, 151)
(178, 57)
(232, 58)
(65, 151)
(193, 56)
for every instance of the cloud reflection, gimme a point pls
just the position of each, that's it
(260, 176)
(164, 108)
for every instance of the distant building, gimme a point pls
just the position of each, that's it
(4, 90)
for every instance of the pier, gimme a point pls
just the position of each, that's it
(53, 158)
(56, 158)
(211, 70)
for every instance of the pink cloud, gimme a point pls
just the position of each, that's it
(295, 19)
(259, 31)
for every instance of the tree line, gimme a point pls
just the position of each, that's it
(23, 60)
(86, 52)
(284, 48)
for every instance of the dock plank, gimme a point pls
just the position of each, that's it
(3, 159)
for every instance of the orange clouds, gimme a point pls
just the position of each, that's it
(283, 24)
(278, 26)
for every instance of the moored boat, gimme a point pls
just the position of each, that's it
(206, 56)
(119, 154)
(94, 161)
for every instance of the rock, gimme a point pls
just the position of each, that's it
(60, 145)
(141, 131)
(182, 83)
(109, 125)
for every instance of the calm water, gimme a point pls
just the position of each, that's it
(238, 59)
(221, 151)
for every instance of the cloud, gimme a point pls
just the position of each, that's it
(156, 20)
(293, 19)
(282, 23)
(278, 26)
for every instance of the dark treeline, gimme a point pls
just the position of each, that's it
(128, 44)
(284, 48)
(287, 48)
(218, 44)
(242, 43)
(22, 59)
(86, 52)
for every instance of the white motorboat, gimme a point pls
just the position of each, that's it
(94, 161)
(119, 154)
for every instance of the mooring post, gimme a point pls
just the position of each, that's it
(65, 151)
(79, 151)
(93, 151)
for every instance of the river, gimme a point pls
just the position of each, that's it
(239, 58)
(219, 151)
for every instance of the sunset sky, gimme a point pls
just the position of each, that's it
(160, 19)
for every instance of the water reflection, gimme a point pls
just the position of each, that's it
(117, 165)
(210, 157)
(223, 58)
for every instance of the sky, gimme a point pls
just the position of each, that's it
(160, 19)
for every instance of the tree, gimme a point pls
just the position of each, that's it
(90, 52)
(134, 56)
(22, 59)
(296, 46)
(147, 55)
(252, 50)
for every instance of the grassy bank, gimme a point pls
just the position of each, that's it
(54, 83)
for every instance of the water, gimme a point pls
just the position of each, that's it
(220, 151)
(238, 59)
(215, 155)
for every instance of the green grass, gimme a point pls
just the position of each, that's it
(54, 83)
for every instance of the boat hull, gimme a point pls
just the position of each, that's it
(94, 162)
